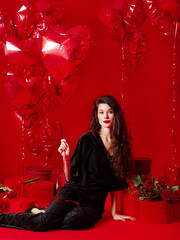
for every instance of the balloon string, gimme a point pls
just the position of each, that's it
(123, 74)
(23, 163)
(174, 103)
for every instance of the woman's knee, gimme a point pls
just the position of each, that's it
(80, 218)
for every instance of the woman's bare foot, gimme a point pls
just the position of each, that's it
(36, 211)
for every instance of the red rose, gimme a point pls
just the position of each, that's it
(132, 187)
(12, 194)
(164, 181)
(166, 194)
(176, 195)
(3, 206)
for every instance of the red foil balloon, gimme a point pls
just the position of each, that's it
(25, 87)
(52, 10)
(30, 139)
(22, 53)
(173, 6)
(158, 17)
(66, 89)
(24, 20)
(59, 93)
(6, 27)
(120, 5)
(63, 52)
(41, 28)
(49, 136)
(112, 21)
(134, 15)
(136, 48)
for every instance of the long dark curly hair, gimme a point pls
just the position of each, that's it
(120, 162)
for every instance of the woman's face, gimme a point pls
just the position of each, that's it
(105, 115)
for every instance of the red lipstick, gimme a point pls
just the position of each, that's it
(106, 121)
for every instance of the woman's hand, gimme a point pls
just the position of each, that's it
(122, 217)
(36, 211)
(64, 149)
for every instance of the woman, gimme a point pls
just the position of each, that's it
(99, 165)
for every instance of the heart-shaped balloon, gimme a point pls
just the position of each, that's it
(158, 17)
(55, 10)
(24, 88)
(59, 93)
(42, 136)
(111, 19)
(49, 136)
(24, 20)
(6, 27)
(62, 51)
(173, 6)
(31, 137)
(120, 5)
(22, 53)
(136, 48)
(134, 15)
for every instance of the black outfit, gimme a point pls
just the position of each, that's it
(80, 202)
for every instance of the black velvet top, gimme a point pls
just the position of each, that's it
(91, 175)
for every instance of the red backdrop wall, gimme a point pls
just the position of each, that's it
(148, 93)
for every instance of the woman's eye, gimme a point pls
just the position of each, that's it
(101, 112)
(110, 111)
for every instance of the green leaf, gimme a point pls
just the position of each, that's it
(138, 181)
(175, 188)
(141, 198)
(133, 179)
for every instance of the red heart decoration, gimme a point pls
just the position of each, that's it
(25, 86)
(24, 20)
(22, 53)
(111, 19)
(62, 51)
(136, 48)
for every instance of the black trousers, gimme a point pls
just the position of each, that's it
(62, 213)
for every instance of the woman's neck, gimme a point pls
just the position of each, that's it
(105, 133)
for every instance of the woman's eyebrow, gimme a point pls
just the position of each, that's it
(104, 110)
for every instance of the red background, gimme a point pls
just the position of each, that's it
(148, 93)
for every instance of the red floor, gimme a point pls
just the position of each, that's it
(105, 229)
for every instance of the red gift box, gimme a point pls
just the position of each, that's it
(38, 171)
(41, 191)
(18, 205)
(142, 165)
(130, 204)
(156, 212)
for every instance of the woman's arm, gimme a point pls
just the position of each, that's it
(64, 151)
(114, 197)
(66, 169)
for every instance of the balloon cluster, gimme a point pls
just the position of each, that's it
(41, 59)
(123, 24)
(42, 138)
(123, 20)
